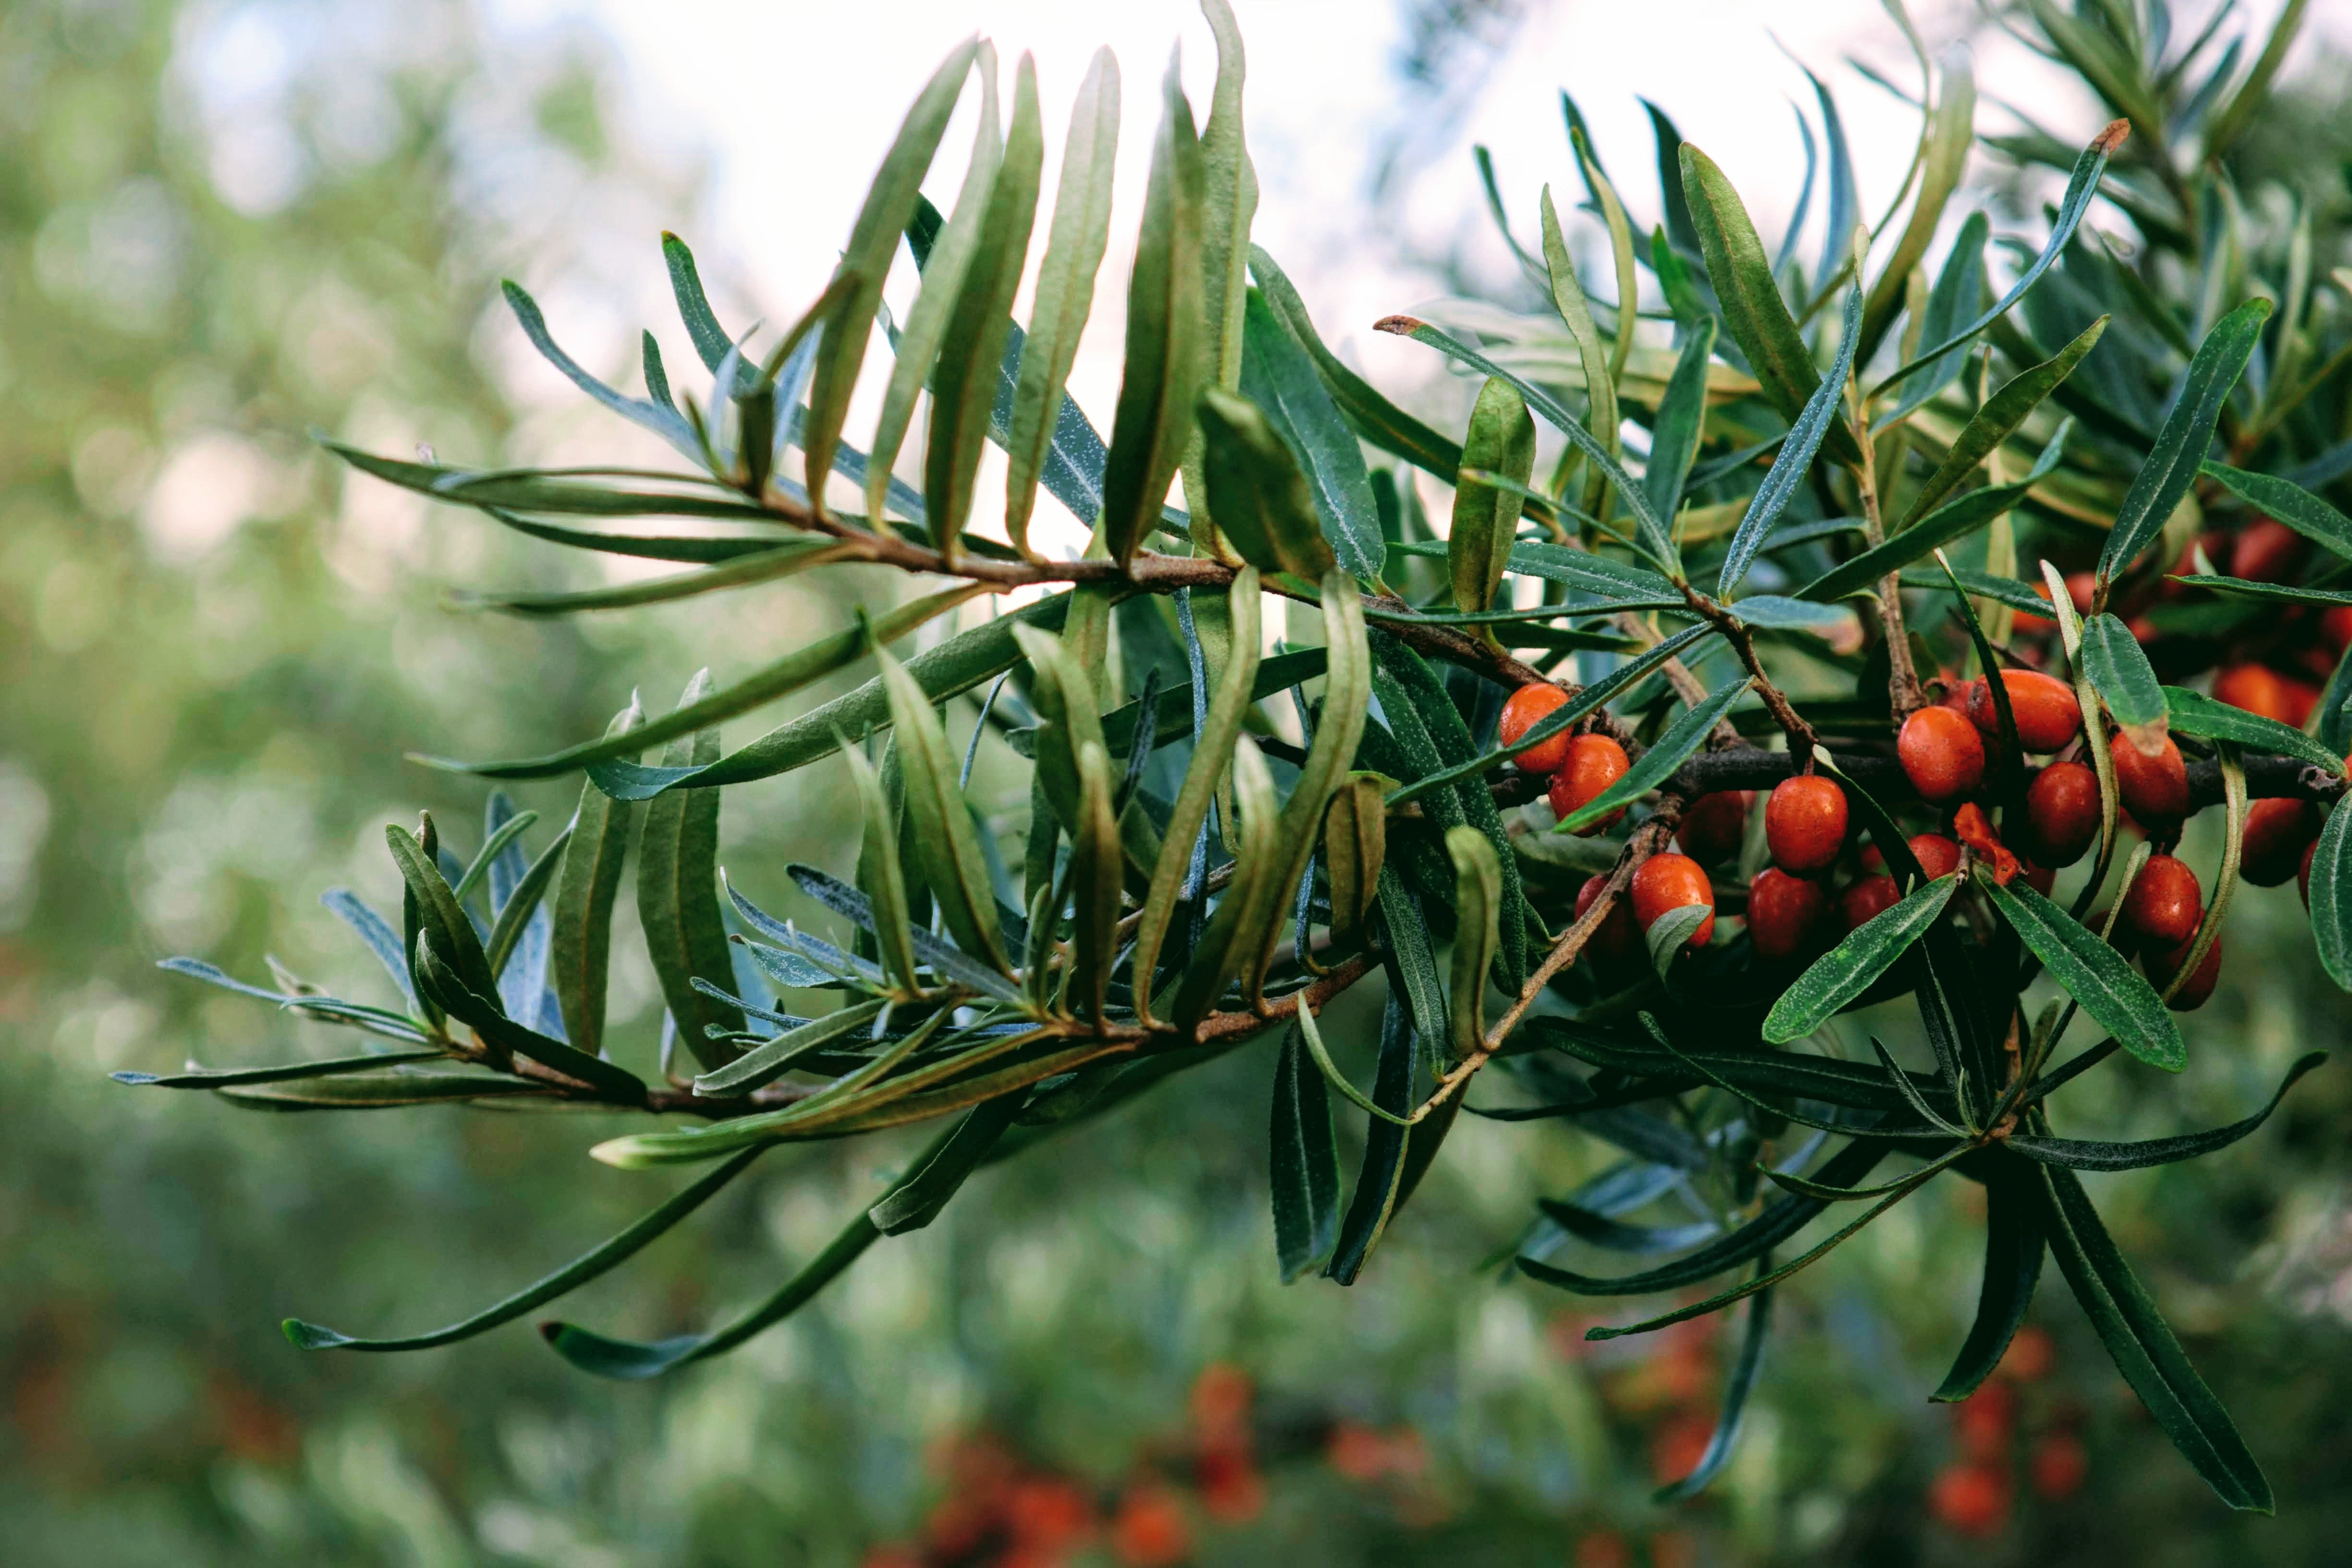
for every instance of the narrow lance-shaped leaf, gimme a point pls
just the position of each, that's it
(438, 914)
(1847, 971)
(1959, 288)
(1736, 1390)
(1364, 407)
(1478, 905)
(234, 1077)
(1218, 955)
(2143, 1345)
(2121, 674)
(773, 1058)
(1279, 377)
(480, 1013)
(1255, 489)
(1502, 439)
(2100, 1155)
(1065, 288)
(659, 418)
(887, 883)
(2117, 998)
(1165, 355)
(1620, 251)
(2193, 713)
(1944, 146)
(1385, 1146)
(1814, 421)
(889, 201)
(524, 909)
(964, 383)
(678, 896)
(1954, 519)
(2180, 444)
(1355, 845)
(1657, 764)
(1229, 202)
(1094, 876)
(1303, 1163)
(2012, 1267)
(1599, 388)
(1998, 420)
(1681, 425)
(1750, 299)
(945, 843)
(1220, 728)
(589, 882)
(2331, 897)
(2288, 502)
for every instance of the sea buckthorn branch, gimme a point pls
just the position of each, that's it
(1801, 738)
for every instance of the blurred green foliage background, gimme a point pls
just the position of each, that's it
(215, 649)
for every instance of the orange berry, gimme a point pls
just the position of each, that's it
(2059, 1465)
(2265, 551)
(2155, 789)
(1970, 1499)
(1984, 1419)
(1521, 714)
(1594, 762)
(2061, 812)
(1804, 823)
(1616, 939)
(2197, 989)
(2163, 905)
(1714, 824)
(1942, 753)
(2276, 832)
(1974, 828)
(2259, 689)
(1783, 912)
(1148, 1531)
(1868, 899)
(2337, 626)
(2080, 586)
(2047, 712)
(2027, 620)
(2029, 1356)
(1667, 882)
(1938, 855)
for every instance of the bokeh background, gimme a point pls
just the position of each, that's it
(225, 224)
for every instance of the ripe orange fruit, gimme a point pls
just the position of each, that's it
(2048, 715)
(1804, 823)
(1970, 1499)
(1521, 714)
(2265, 551)
(2155, 789)
(1667, 882)
(2259, 689)
(1938, 855)
(1616, 939)
(1594, 762)
(2058, 1466)
(1714, 824)
(1942, 753)
(2276, 832)
(1783, 912)
(2061, 812)
(2197, 989)
(2163, 905)
(1868, 898)
(2336, 626)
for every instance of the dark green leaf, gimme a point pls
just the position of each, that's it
(1659, 763)
(517, 912)
(2119, 671)
(381, 938)
(772, 1059)
(1304, 1164)
(1681, 424)
(1957, 289)
(1377, 1178)
(2276, 592)
(438, 914)
(589, 881)
(2094, 973)
(1813, 423)
(2288, 502)
(2187, 432)
(1278, 375)
(2331, 897)
(1487, 519)
(2191, 712)
(2009, 590)
(678, 896)
(385, 1092)
(659, 418)
(767, 566)
(1736, 1390)
(2012, 1267)
(1477, 909)
(1372, 416)
(481, 1014)
(1847, 971)
(1998, 420)
(2093, 1155)
(1255, 490)
(1952, 520)
(233, 1077)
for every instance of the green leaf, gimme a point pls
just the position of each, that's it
(659, 418)
(865, 265)
(2191, 713)
(882, 877)
(1362, 404)
(767, 566)
(1952, 520)
(2187, 432)
(1386, 1145)
(563, 1282)
(385, 1092)
(1411, 962)
(1065, 288)
(1847, 971)
(1220, 954)
(1592, 355)
(2095, 1155)
(2012, 1267)
(678, 896)
(1998, 420)
(1255, 490)
(1477, 909)
(1752, 308)
(1944, 144)
(2143, 1345)
(381, 938)
(771, 1060)
(2288, 502)
(522, 903)
(1617, 585)
(2331, 897)
(2120, 673)
(1355, 846)
(1736, 1390)
(1957, 289)
(948, 964)
(2009, 590)
(2081, 188)
(1680, 426)
(1211, 753)
(2094, 973)
(946, 847)
(1165, 364)
(234, 1077)
(2275, 592)
(1303, 1163)
(1487, 519)
(1279, 377)
(479, 1013)
(439, 916)
(1670, 933)
(1813, 423)
(1228, 201)
(1659, 763)
(1095, 873)
(589, 881)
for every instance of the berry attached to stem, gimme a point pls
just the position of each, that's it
(1943, 754)
(1594, 762)
(1528, 707)
(1669, 882)
(1804, 823)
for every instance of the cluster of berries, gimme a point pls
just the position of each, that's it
(1948, 751)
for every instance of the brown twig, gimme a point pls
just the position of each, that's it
(1801, 738)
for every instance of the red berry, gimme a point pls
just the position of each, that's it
(1714, 824)
(2059, 1465)
(1970, 1499)
(1984, 1419)
(2027, 620)
(2047, 712)
(1528, 704)
(2163, 905)
(2061, 812)
(2040, 878)
(1804, 823)
(2276, 833)
(2337, 626)
(1616, 939)
(1867, 899)
(1942, 753)
(1783, 912)
(2259, 689)
(1938, 855)
(2155, 789)
(1667, 882)
(2197, 989)
(2265, 551)
(1594, 763)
